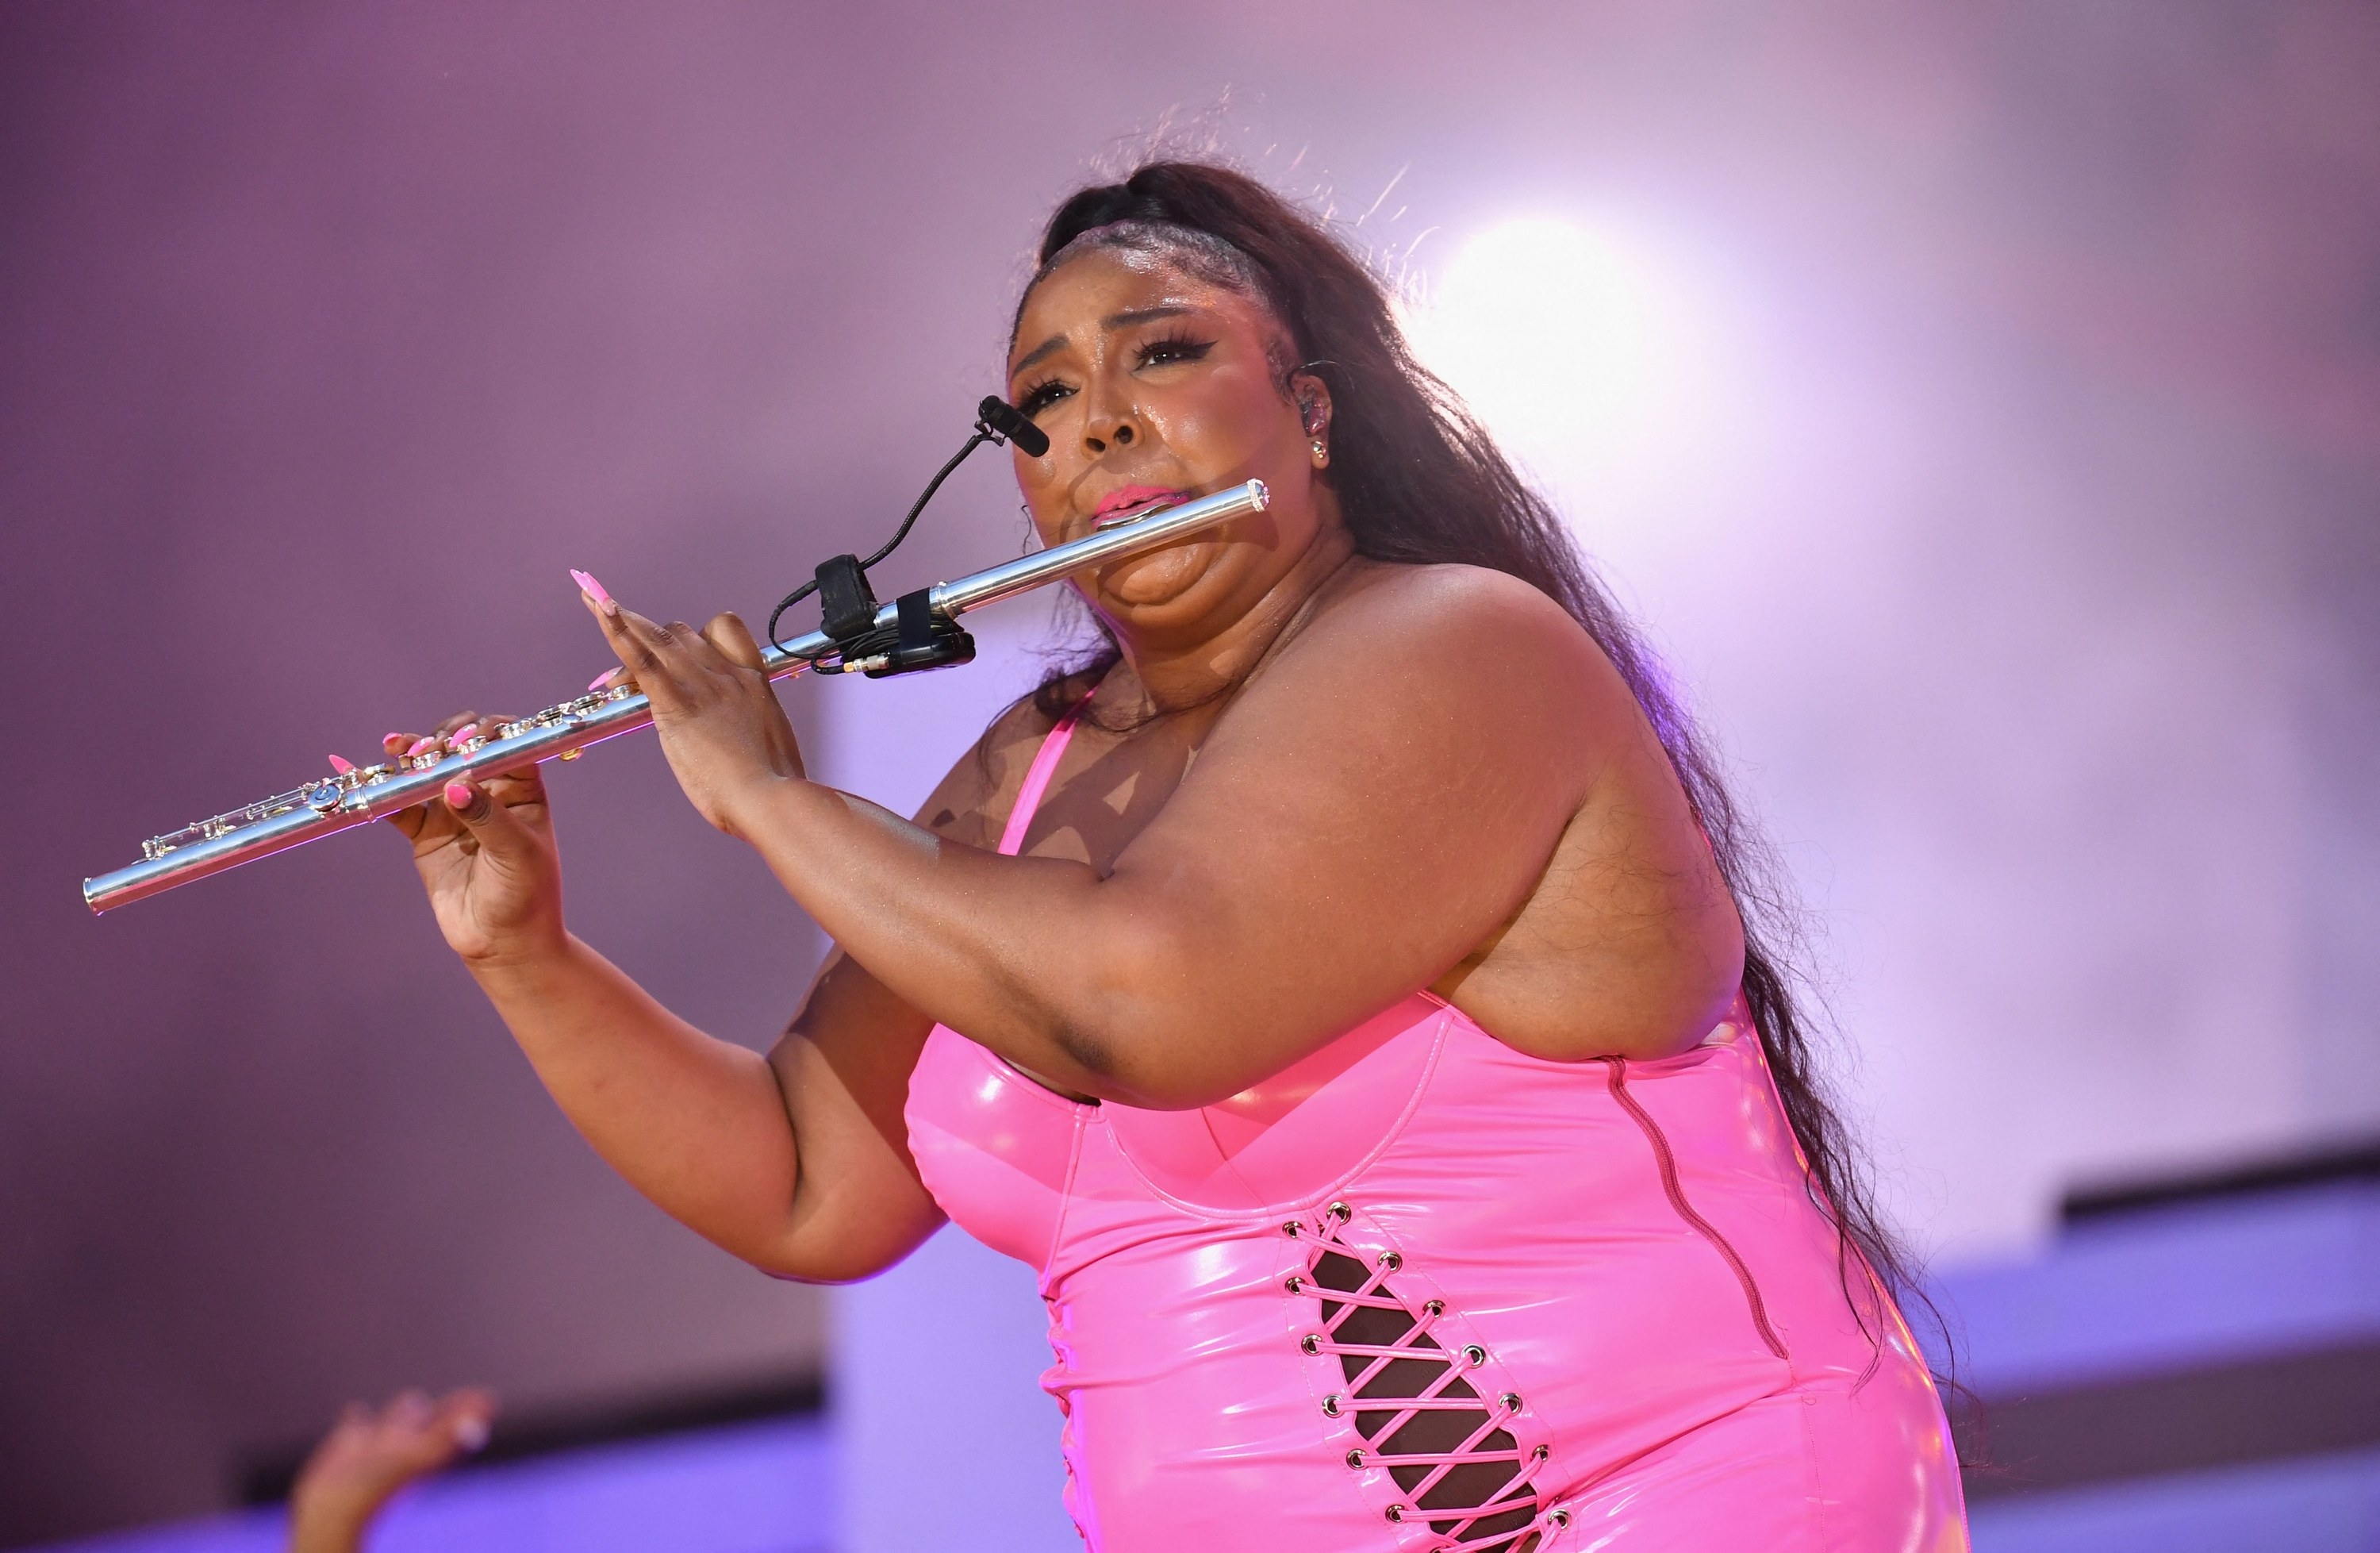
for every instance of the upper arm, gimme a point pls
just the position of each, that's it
(844, 1067)
(1379, 801)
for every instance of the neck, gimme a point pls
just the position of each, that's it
(1169, 677)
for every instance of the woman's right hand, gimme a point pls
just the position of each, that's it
(487, 858)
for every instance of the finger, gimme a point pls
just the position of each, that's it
(656, 656)
(466, 1416)
(733, 640)
(620, 630)
(415, 1436)
(499, 831)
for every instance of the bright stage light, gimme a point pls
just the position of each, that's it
(1587, 350)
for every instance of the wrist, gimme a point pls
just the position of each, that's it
(752, 808)
(529, 955)
(317, 1525)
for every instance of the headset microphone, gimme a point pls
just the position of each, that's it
(1006, 420)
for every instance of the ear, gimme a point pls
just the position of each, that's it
(1312, 397)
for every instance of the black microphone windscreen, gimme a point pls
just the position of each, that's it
(1013, 425)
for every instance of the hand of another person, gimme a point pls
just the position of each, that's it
(370, 1454)
(486, 853)
(724, 733)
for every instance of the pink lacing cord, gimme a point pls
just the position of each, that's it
(1375, 1295)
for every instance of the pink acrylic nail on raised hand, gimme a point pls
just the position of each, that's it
(341, 764)
(420, 747)
(594, 590)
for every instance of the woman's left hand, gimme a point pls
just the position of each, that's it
(725, 736)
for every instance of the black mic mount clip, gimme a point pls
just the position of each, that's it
(921, 637)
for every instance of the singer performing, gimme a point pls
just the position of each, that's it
(1336, 985)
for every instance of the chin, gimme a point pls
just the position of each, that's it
(1155, 580)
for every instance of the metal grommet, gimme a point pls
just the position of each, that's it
(1355, 1459)
(1394, 1512)
(1541, 1452)
(1290, 1228)
(1392, 1260)
(1311, 1343)
(1474, 1355)
(1434, 1307)
(1330, 1405)
(1511, 1401)
(1560, 1519)
(1293, 1284)
(1341, 1212)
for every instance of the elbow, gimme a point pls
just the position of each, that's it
(1131, 1063)
(1161, 1059)
(1131, 1029)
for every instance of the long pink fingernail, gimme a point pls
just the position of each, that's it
(601, 680)
(341, 764)
(458, 796)
(594, 590)
(388, 740)
(421, 747)
(456, 739)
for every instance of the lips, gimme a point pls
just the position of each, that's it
(1133, 503)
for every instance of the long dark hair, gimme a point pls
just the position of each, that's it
(1419, 481)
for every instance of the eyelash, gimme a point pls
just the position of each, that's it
(1181, 347)
(1156, 353)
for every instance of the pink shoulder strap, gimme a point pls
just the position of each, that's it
(1037, 779)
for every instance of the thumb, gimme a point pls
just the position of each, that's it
(733, 638)
(496, 828)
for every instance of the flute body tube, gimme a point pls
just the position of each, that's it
(367, 793)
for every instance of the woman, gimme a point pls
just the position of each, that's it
(1361, 1037)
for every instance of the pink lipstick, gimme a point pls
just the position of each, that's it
(1132, 503)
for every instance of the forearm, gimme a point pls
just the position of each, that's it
(697, 1124)
(1029, 956)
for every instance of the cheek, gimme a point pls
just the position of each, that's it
(1220, 427)
(1037, 481)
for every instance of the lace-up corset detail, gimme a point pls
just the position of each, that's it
(1449, 1450)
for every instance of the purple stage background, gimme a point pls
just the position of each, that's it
(2020, 536)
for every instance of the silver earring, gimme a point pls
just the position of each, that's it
(1320, 451)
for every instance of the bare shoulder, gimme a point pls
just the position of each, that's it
(1451, 597)
(1479, 647)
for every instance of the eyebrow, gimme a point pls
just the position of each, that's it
(1113, 321)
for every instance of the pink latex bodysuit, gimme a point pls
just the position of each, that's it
(1422, 1291)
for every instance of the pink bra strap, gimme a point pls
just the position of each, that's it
(1037, 779)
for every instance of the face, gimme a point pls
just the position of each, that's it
(1156, 386)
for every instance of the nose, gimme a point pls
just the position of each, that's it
(1116, 431)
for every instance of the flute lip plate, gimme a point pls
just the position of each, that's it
(1132, 515)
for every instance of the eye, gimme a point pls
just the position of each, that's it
(1173, 348)
(1041, 396)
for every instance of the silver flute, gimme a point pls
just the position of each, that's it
(371, 792)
